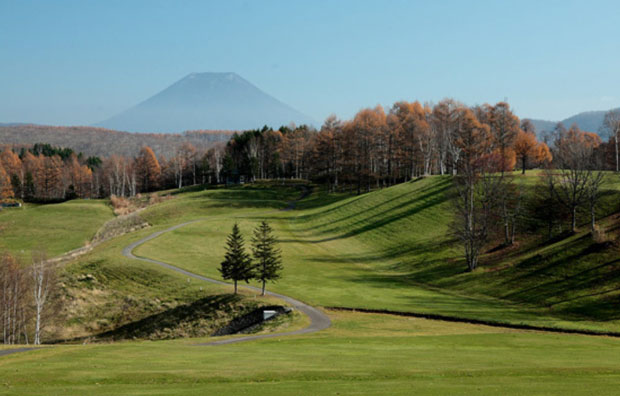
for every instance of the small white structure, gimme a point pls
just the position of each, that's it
(268, 314)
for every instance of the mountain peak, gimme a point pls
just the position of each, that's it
(213, 75)
(207, 100)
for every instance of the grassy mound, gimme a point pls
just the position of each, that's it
(107, 296)
(200, 318)
(57, 228)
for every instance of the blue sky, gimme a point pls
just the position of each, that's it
(79, 62)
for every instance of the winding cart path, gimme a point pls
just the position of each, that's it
(318, 320)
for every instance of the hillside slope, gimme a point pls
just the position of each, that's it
(392, 249)
(382, 249)
(55, 228)
(406, 232)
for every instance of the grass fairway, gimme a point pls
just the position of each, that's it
(389, 249)
(392, 249)
(57, 228)
(362, 354)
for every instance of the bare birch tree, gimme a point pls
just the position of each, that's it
(13, 300)
(42, 279)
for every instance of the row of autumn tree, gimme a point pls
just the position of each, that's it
(374, 149)
(377, 149)
(45, 173)
(54, 174)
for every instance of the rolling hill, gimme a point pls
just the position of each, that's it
(206, 101)
(590, 121)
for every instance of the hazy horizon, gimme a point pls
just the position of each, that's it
(79, 63)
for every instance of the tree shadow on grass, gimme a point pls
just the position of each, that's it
(437, 301)
(378, 220)
(415, 255)
(333, 208)
(421, 195)
(321, 199)
(572, 292)
(422, 202)
(589, 292)
(600, 307)
(477, 307)
(570, 279)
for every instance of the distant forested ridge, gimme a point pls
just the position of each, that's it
(102, 142)
(591, 121)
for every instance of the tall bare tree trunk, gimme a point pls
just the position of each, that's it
(41, 273)
(616, 144)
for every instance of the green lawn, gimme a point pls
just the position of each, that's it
(389, 249)
(392, 249)
(362, 354)
(56, 228)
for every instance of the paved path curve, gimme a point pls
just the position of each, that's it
(318, 320)
(4, 352)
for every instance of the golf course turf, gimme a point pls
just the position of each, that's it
(390, 249)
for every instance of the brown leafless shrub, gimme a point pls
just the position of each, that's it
(156, 198)
(599, 235)
(122, 206)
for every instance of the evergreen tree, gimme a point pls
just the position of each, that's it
(228, 169)
(237, 264)
(17, 186)
(29, 188)
(268, 261)
(204, 169)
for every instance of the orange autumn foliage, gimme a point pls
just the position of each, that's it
(6, 190)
